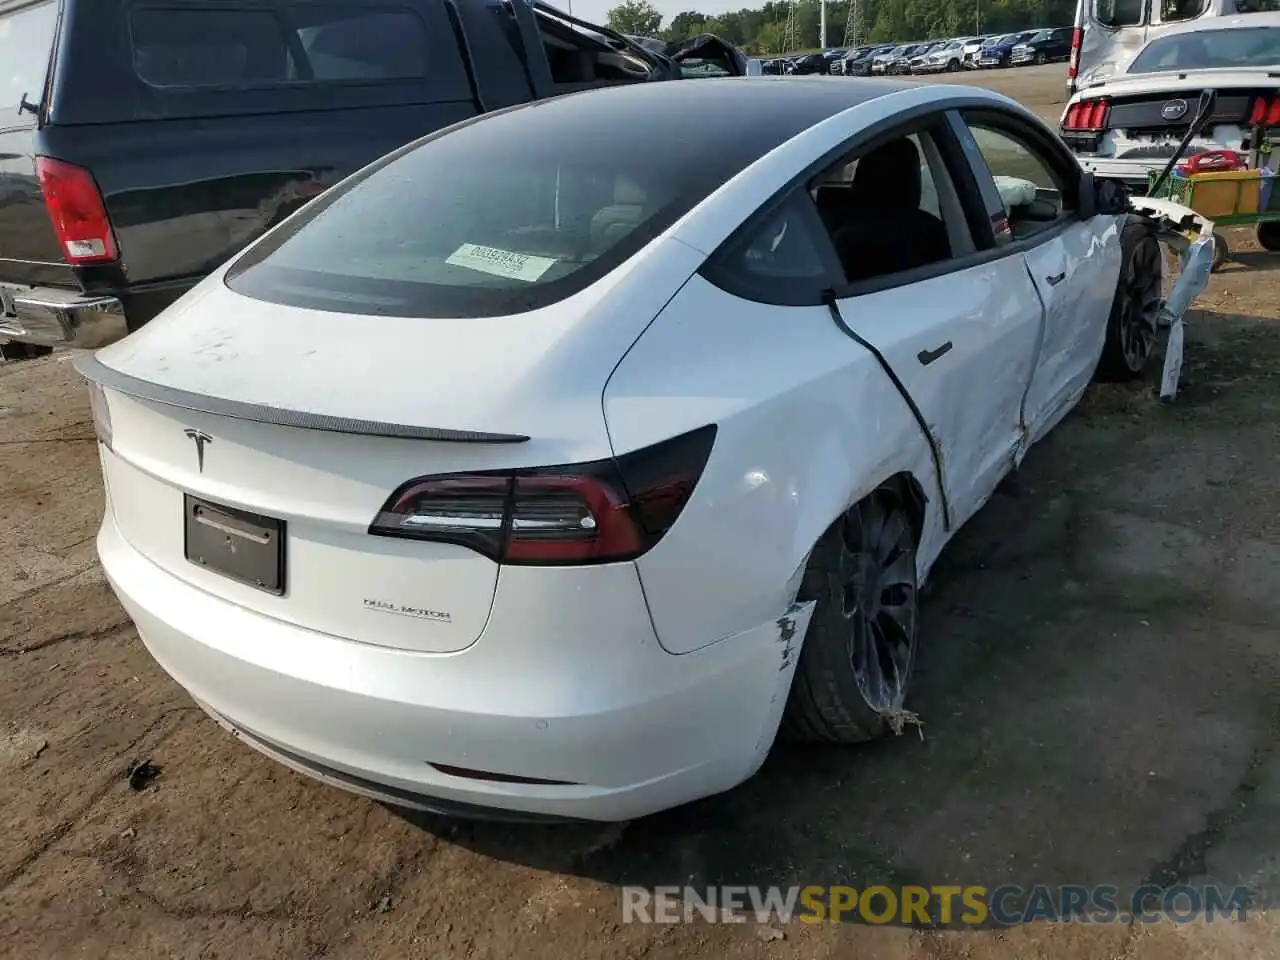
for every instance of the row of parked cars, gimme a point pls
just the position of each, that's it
(935, 56)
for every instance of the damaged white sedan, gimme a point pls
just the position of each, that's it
(551, 465)
(1130, 125)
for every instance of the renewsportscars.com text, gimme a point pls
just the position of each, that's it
(945, 905)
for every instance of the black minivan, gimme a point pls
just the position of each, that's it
(144, 142)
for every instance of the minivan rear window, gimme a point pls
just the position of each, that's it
(231, 48)
(26, 42)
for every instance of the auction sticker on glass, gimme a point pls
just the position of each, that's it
(500, 263)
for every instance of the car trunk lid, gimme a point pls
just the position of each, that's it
(259, 414)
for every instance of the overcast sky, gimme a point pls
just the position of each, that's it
(596, 10)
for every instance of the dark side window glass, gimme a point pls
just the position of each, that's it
(234, 48)
(1119, 13)
(26, 40)
(503, 215)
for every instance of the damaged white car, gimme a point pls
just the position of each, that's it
(1128, 126)
(549, 470)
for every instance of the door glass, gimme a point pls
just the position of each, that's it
(1172, 11)
(26, 39)
(891, 209)
(1030, 189)
(1119, 13)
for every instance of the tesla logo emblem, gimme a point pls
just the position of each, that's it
(200, 438)
(1174, 109)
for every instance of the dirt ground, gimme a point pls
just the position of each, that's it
(1100, 692)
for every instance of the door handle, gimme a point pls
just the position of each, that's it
(1056, 279)
(927, 357)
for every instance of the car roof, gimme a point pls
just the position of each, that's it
(1236, 22)
(740, 115)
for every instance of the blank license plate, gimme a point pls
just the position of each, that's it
(243, 546)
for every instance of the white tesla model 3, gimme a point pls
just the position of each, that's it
(553, 464)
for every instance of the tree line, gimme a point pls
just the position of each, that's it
(763, 30)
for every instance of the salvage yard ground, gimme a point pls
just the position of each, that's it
(1100, 692)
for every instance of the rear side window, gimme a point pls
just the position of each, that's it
(230, 48)
(26, 41)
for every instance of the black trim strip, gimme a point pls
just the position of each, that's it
(91, 368)
(915, 410)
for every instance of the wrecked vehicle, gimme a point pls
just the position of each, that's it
(148, 142)
(703, 55)
(667, 443)
(1128, 126)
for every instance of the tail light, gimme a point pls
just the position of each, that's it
(78, 212)
(1088, 115)
(1265, 113)
(1073, 65)
(599, 512)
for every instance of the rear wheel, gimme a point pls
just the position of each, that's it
(23, 351)
(1135, 310)
(1269, 235)
(1221, 251)
(857, 659)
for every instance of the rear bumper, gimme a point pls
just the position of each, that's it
(49, 316)
(577, 692)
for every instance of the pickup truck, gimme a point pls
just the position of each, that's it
(144, 142)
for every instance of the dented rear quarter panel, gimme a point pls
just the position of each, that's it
(808, 423)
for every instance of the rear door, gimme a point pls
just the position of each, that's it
(29, 252)
(958, 331)
(1030, 186)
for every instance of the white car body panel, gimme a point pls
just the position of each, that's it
(1076, 308)
(631, 728)
(824, 425)
(985, 323)
(618, 681)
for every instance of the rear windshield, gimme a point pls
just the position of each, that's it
(26, 40)
(501, 215)
(1211, 49)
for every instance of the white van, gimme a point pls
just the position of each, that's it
(1108, 32)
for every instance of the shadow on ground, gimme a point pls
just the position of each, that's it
(1098, 682)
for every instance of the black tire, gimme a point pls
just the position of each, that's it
(856, 663)
(1041, 58)
(953, 66)
(1221, 252)
(23, 351)
(1269, 235)
(1135, 309)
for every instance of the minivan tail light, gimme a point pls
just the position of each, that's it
(599, 512)
(1264, 113)
(79, 215)
(1073, 65)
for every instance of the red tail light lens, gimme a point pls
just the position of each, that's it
(600, 512)
(1088, 115)
(1073, 65)
(1265, 113)
(77, 210)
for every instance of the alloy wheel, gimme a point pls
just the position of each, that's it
(878, 593)
(1140, 302)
